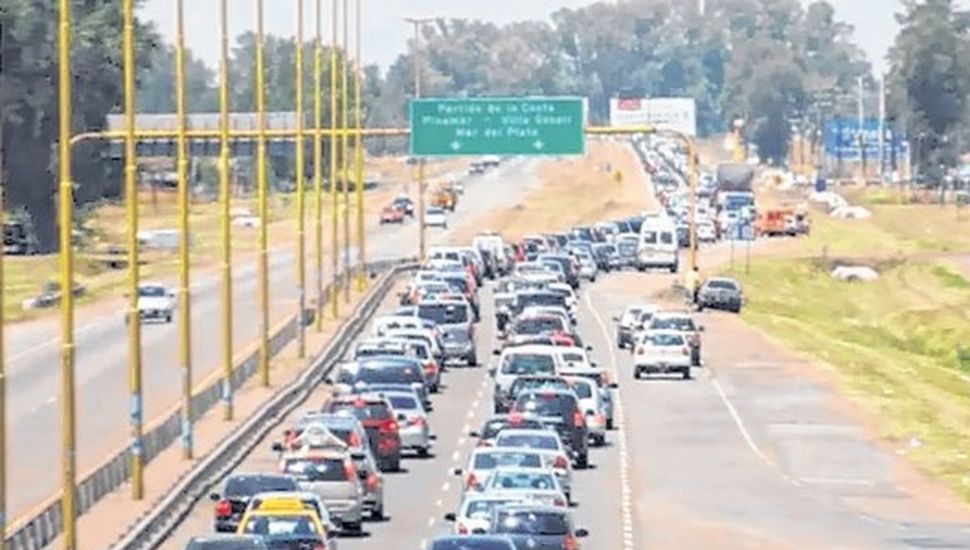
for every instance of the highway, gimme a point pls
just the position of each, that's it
(753, 452)
(33, 349)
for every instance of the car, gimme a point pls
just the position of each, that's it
(305, 499)
(560, 410)
(536, 527)
(352, 433)
(593, 405)
(454, 320)
(567, 265)
(421, 349)
(226, 542)
(155, 302)
(494, 425)
(435, 217)
(285, 524)
(661, 352)
(236, 493)
(529, 360)
(706, 231)
(484, 460)
(329, 473)
(548, 444)
(626, 324)
(720, 293)
(527, 383)
(377, 417)
(537, 485)
(368, 375)
(587, 266)
(684, 323)
(413, 421)
(475, 513)
(472, 542)
(392, 214)
(405, 204)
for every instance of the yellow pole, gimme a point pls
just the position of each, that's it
(3, 370)
(359, 159)
(184, 293)
(65, 219)
(334, 216)
(262, 198)
(318, 160)
(225, 199)
(131, 203)
(422, 246)
(344, 157)
(300, 184)
(692, 162)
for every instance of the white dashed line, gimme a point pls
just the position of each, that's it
(446, 487)
(626, 502)
(740, 424)
(431, 521)
(456, 456)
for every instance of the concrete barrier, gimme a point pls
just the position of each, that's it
(40, 529)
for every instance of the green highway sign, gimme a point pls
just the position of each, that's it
(497, 126)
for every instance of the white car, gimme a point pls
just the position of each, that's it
(662, 351)
(484, 460)
(155, 302)
(538, 485)
(475, 512)
(546, 442)
(587, 266)
(706, 232)
(413, 421)
(592, 405)
(435, 217)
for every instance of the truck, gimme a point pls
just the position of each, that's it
(734, 190)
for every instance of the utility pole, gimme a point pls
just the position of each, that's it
(882, 129)
(417, 22)
(862, 120)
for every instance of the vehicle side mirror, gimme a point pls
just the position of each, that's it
(450, 516)
(594, 364)
(581, 533)
(277, 447)
(589, 348)
(433, 437)
(613, 385)
(328, 381)
(358, 456)
(496, 352)
(215, 497)
(478, 531)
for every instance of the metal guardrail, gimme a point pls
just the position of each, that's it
(43, 528)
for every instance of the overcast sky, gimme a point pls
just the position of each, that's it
(386, 34)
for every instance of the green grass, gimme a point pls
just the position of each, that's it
(899, 345)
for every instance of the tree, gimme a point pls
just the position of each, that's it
(929, 80)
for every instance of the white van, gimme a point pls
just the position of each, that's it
(658, 244)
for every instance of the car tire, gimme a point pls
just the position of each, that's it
(168, 318)
(686, 374)
(599, 440)
(582, 462)
(377, 514)
(356, 528)
(636, 374)
(610, 424)
(424, 452)
(472, 360)
(673, 268)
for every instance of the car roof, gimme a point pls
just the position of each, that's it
(528, 431)
(665, 331)
(530, 349)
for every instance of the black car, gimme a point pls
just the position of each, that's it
(498, 422)
(567, 266)
(472, 542)
(238, 490)
(534, 527)
(559, 410)
(405, 204)
(720, 293)
(505, 402)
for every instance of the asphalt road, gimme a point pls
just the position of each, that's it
(33, 348)
(752, 452)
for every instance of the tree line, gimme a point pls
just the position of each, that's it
(774, 63)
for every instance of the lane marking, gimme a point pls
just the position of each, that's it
(626, 502)
(740, 423)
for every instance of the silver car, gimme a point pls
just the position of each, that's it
(330, 474)
(547, 442)
(412, 420)
(535, 485)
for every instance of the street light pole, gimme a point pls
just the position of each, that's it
(344, 157)
(225, 199)
(417, 22)
(334, 214)
(359, 157)
(318, 159)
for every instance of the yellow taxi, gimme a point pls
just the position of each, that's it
(286, 521)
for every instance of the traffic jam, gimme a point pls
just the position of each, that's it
(552, 404)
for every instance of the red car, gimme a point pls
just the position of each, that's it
(392, 214)
(380, 423)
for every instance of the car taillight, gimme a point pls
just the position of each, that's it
(354, 440)
(350, 472)
(462, 530)
(470, 482)
(569, 543)
(601, 419)
(561, 463)
(417, 421)
(388, 427)
(430, 367)
(559, 502)
(319, 546)
(372, 481)
(685, 350)
(578, 420)
(223, 509)
(639, 350)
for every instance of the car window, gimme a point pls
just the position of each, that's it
(667, 237)
(443, 314)
(492, 460)
(529, 441)
(528, 363)
(280, 525)
(328, 469)
(482, 508)
(582, 390)
(367, 411)
(532, 523)
(228, 544)
(538, 325)
(649, 237)
(403, 402)
(152, 292)
(673, 323)
(391, 375)
(550, 404)
(665, 340)
(250, 485)
(521, 480)
(729, 285)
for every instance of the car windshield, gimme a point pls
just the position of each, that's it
(482, 508)
(250, 485)
(362, 411)
(540, 299)
(280, 525)
(544, 404)
(528, 441)
(526, 384)
(727, 285)
(314, 470)
(521, 480)
(532, 523)
(389, 375)
(379, 351)
(236, 543)
(403, 402)
(582, 390)
(444, 314)
(152, 292)
(672, 323)
(499, 459)
(529, 363)
(664, 340)
(538, 325)
(573, 357)
(467, 543)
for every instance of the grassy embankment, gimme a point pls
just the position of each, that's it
(900, 345)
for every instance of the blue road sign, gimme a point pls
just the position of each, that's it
(845, 139)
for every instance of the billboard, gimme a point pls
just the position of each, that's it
(671, 113)
(846, 140)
